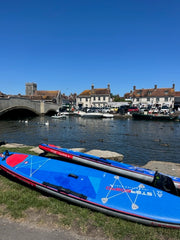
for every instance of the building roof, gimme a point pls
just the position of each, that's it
(95, 91)
(85, 93)
(151, 92)
(177, 94)
(47, 93)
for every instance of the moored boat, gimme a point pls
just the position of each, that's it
(157, 117)
(59, 116)
(79, 113)
(108, 115)
(92, 115)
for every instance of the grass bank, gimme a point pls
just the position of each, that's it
(23, 203)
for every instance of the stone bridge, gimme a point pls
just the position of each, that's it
(35, 106)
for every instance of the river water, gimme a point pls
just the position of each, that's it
(138, 141)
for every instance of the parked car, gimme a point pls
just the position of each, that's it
(133, 109)
(143, 109)
(93, 109)
(164, 109)
(153, 110)
(105, 110)
(123, 109)
(113, 110)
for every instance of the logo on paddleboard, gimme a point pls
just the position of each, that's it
(117, 188)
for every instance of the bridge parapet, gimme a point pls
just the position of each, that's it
(36, 106)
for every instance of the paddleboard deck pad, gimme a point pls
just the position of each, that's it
(95, 189)
(165, 182)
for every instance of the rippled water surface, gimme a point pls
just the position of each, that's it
(138, 141)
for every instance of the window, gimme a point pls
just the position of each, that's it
(166, 99)
(148, 99)
(137, 99)
(157, 99)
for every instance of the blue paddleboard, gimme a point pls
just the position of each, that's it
(95, 189)
(153, 178)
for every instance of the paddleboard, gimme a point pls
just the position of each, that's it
(165, 182)
(95, 189)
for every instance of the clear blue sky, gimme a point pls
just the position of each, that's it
(69, 45)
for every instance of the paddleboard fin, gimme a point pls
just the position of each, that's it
(164, 183)
(43, 154)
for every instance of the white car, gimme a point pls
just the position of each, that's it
(153, 110)
(105, 110)
(164, 109)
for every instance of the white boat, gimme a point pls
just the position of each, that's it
(59, 116)
(79, 113)
(108, 115)
(65, 113)
(93, 115)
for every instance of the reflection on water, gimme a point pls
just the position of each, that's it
(138, 141)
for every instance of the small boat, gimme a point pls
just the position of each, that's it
(108, 115)
(157, 117)
(150, 177)
(92, 115)
(101, 191)
(59, 116)
(79, 113)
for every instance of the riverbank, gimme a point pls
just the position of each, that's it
(169, 168)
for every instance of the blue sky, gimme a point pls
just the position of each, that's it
(69, 45)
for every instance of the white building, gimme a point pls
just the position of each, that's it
(156, 97)
(96, 97)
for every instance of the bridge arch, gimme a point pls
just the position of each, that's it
(17, 112)
(51, 112)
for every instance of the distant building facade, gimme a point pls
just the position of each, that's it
(48, 96)
(156, 97)
(31, 88)
(95, 97)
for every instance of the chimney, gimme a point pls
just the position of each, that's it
(155, 86)
(173, 86)
(134, 88)
(108, 86)
(92, 86)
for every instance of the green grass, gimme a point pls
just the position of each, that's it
(23, 202)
